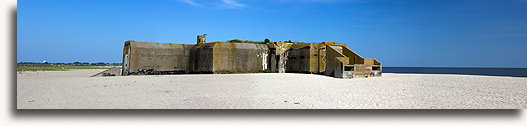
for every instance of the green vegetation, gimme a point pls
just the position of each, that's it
(58, 68)
(267, 41)
(258, 42)
(289, 41)
(245, 41)
(234, 71)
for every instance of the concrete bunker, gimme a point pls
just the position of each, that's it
(327, 58)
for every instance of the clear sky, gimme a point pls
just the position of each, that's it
(411, 33)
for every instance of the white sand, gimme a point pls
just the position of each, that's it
(76, 90)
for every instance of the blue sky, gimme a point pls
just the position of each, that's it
(412, 33)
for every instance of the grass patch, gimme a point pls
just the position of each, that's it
(292, 42)
(258, 42)
(58, 68)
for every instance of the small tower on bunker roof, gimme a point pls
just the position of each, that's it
(201, 39)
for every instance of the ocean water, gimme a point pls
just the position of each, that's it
(513, 72)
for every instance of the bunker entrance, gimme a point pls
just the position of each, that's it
(376, 68)
(125, 69)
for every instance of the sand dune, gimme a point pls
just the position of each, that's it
(75, 89)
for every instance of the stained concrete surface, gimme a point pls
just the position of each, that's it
(76, 90)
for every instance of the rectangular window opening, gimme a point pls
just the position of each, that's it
(348, 68)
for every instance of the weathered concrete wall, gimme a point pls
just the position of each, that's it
(306, 57)
(239, 57)
(358, 71)
(343, 48)
(279, 56)
(353, 57)
(331, 60)
(126, 58)
(156, 56)
(376, 66)
(321, 57)
(369, 61)
(299, 57)
(201, 58)
(338, 67)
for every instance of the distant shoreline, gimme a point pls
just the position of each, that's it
(513, 72)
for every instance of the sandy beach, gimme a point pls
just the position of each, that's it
(75, 89)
